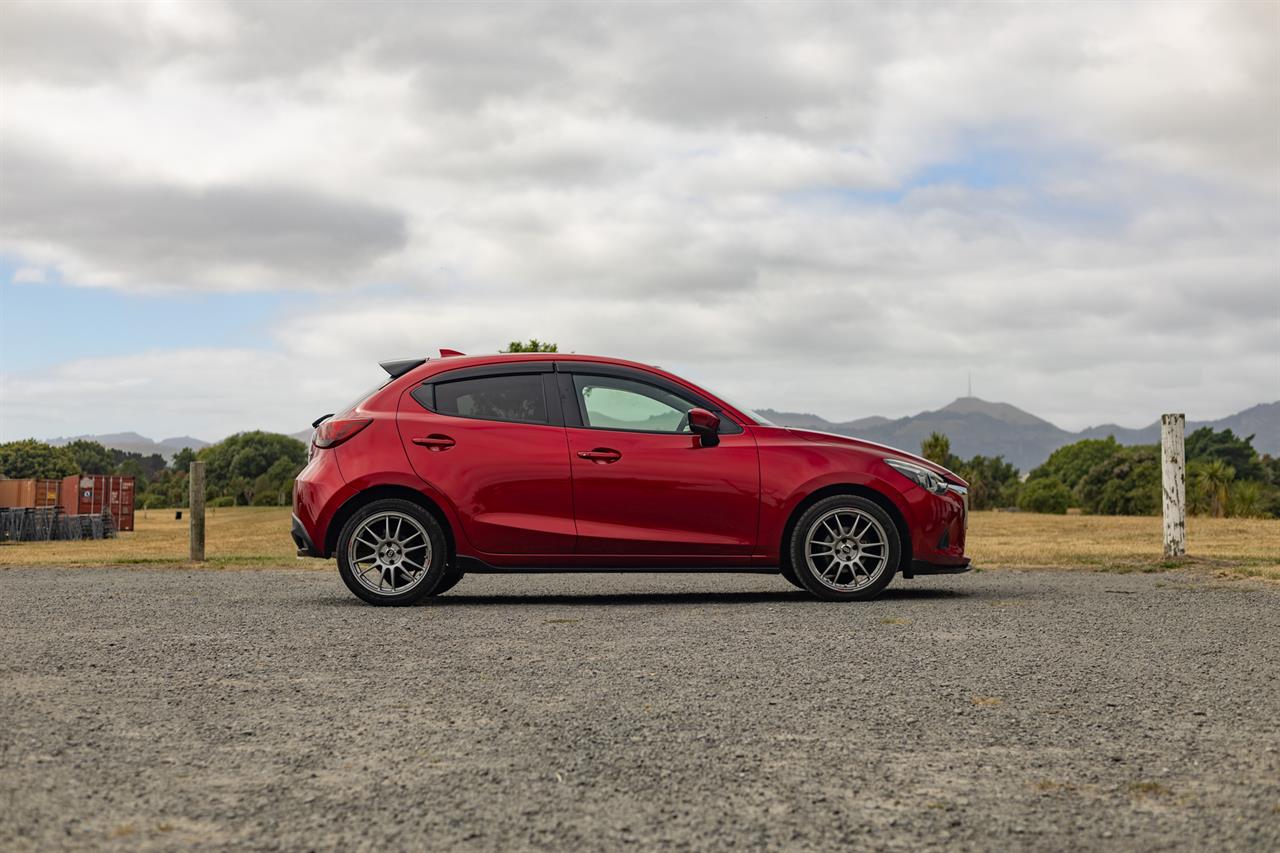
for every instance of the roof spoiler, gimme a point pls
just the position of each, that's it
(396, 369)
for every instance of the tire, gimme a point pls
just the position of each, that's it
(789, 573)
(392, 552)
(863, 544)
(452, 574)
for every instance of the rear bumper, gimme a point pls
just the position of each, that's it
(302, 539)
(315, 491)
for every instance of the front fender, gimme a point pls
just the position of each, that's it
(791, 473)
(866, 481)
(777, 510)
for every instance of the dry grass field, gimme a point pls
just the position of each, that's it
(1013, 540)
(254, 537)
(234, 536)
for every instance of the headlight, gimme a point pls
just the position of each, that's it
(922, 477)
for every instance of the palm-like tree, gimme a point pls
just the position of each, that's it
(1199, 492)
(1246, 500)
(1218, 476)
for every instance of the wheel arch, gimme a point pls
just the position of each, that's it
(374, 493)
(879, 498)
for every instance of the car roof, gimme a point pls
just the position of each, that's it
(432, 366)
(435, 365)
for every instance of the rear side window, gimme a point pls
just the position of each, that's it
(517, 397)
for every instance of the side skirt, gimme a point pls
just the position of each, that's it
(919, 567)
(474, 565)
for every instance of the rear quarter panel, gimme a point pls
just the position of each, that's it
(373, 458)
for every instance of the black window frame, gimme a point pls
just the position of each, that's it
(564, 408)
(425, 393)
(575, 415)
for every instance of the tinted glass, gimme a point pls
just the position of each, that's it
(611, 403)
(495, 398)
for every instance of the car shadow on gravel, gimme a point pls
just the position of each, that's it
(633, 599)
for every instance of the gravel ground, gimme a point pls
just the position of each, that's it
(270, 709)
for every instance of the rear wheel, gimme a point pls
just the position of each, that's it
(392, 552)
(845, 548)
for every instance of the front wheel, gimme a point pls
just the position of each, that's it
(452, 574)
(845, 548)
(392, 552)
(789, 574)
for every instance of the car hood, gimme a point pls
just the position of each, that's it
(873, 447)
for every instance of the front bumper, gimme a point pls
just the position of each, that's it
(938, 524)
(302, 540)
(922, 567)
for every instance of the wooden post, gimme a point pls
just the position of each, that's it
(1173, 468)
(196, 483)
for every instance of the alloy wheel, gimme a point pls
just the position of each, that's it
(389, 553)
(846, 549)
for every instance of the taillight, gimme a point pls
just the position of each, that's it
(331, 433)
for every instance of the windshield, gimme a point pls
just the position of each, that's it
(755, 416)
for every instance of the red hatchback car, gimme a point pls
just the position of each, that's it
(549, 462)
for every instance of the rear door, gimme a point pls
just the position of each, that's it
(643, 484)
(492, 440)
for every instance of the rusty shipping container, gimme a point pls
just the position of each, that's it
(30, 493)
(47, 492)
(17, 493)
(90, 494)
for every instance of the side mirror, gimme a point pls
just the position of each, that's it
(706, 426)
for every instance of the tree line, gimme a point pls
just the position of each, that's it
(247, 469)
(1226, 476)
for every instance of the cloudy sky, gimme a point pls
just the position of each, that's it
(220, 216)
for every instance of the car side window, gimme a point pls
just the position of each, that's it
(517, 397)
(613, 403)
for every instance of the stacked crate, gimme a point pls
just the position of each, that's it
(48, 523)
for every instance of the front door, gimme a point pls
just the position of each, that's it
(494, 444)
(642, 482)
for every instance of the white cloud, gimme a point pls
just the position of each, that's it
(839, 208)
(29, 275)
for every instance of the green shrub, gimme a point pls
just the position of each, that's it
(1127, 483)
(1045, 495)
(30, 458)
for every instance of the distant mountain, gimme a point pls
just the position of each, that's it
(977, 426)
(132, 442)
(804, 420)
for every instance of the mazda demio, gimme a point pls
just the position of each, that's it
(570, 463)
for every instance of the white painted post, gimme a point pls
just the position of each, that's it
(195, 480)
(1173, 470)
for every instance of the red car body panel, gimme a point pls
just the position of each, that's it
(666, 494)
(793, 470)
(520, 495)
(508, 482)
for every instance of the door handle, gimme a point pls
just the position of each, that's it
(601, 455)
(435, 441)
